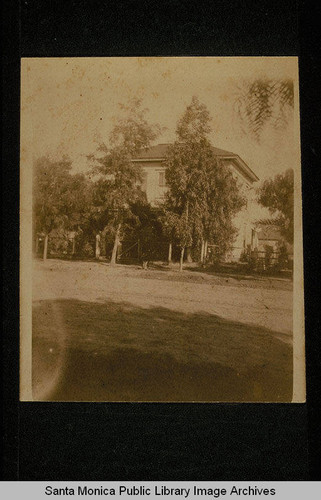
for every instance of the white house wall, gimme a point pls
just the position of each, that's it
(155, 194)
(244, 220)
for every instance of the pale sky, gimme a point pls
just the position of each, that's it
(70, 104)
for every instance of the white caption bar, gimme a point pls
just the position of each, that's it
(279, 490)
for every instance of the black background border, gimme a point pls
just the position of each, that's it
(104, 441)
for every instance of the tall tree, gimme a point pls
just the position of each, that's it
(277, 195)
(60, 198)
(119, 179)
(203, 196)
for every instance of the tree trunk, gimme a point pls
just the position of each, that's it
(170, 253)
(103, 242)
(73, 246)
(202, 252)
(37, 245)
(97, 250)
(116, 243)
(45, 248)
(189, 257)
(205, 251)
(181, 259)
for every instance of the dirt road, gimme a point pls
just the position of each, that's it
(124, 334)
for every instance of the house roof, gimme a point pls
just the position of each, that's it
(159, 152)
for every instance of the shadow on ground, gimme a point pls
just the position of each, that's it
(106, 351)
(240, 272)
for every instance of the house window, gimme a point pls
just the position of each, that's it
(161, 179)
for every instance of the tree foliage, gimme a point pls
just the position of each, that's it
(264, 100)
(133, 133)
(194, 124)
(60, 198)
(146, 230)
(277, 195)
(119, 178)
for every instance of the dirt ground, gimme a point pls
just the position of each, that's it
(121, 333)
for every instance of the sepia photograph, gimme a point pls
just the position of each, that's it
(161, 255)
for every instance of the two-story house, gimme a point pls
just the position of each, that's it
(152, 162)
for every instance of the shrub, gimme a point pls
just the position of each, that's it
(87, 251)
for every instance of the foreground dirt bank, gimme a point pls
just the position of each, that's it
(108, 334)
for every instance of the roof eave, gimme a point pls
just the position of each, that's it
(247, 172)
(244, 168)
